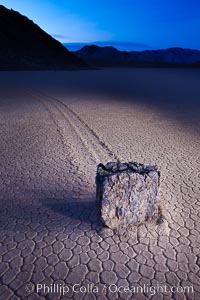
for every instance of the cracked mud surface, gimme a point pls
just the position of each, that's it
(55, 128)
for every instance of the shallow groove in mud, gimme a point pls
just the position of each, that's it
(88, 136)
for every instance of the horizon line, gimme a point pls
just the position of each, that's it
(113, 44)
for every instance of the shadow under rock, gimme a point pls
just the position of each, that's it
(50, 214)
(85, 210)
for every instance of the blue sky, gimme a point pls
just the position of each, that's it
(128, 24)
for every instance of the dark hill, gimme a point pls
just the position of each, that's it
(25, 46)
(110, 56)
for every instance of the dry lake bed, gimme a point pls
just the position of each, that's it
(55, 127)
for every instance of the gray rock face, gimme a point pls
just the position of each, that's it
(127, 193)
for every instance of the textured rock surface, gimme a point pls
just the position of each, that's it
(127, 193)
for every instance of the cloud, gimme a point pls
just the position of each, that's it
(60, 36)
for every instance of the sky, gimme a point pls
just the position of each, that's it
(126, 24)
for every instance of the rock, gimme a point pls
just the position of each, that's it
(127, 193)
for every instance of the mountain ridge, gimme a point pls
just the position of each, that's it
(110, 56)
(25, 46)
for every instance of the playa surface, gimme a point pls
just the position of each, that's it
(55, 127)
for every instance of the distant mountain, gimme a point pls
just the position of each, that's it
(74, 46)
(110, 56)
(25, 46)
